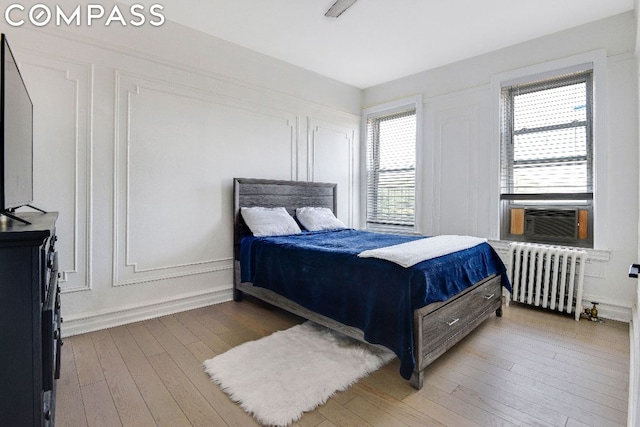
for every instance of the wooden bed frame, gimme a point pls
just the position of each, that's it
(437, 326)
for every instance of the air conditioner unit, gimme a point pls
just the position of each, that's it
(559, 225)
(551, 223)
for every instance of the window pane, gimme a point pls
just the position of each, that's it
(395, 198)
(391, 160)
(549, 107)
(550, 162)
(551, 178)
(552, 144)
(398, 142)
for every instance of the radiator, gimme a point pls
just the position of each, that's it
(546, 276)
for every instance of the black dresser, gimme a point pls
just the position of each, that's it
(29, 320)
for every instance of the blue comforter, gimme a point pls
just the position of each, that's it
(322, 272)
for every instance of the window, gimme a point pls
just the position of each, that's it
(547, 160)
(391, 167)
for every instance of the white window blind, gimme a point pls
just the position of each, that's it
(391, 168)
(547, 149)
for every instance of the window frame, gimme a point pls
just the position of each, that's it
(386, 110)
(594, 60)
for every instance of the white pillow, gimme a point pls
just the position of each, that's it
(314, 219)
(269, 221)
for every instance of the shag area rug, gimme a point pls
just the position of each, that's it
(279, 377)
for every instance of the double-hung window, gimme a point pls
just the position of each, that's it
(391, 136)
(547, 160)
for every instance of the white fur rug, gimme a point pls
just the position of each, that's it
(278, 378)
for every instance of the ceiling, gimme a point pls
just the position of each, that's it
(376, 41)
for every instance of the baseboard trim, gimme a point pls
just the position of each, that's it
(634, 366)
(607, 309)
(89, 322)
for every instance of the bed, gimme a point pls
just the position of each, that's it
(417, 324)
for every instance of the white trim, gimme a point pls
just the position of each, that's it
(391, 106)
(414, 101)
(89, 322)
(596, 60)
(634, 367)
(609, 309)
(549, 74)
(633, 417)
(534, 72)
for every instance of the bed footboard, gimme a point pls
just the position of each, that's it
(439, 326)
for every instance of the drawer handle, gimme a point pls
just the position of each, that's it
(488, 297)
(453, 321)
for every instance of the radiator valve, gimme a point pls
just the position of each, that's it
(592, 313)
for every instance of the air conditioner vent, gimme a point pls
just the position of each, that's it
(551, 223)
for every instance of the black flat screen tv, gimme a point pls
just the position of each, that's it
(16, 136)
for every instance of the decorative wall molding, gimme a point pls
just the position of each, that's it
(135, 97)
(227, 266)
(57, 134)
(167, 61)
(324, 139)
(103, 208)
(455, 157)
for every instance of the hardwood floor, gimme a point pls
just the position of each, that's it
(529, 367)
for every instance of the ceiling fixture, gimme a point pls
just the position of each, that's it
(339, 7)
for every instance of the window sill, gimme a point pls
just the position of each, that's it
(397, 229)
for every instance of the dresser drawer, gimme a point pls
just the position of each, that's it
(452, 319)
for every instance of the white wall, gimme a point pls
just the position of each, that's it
(139, 133)
(461, 148)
